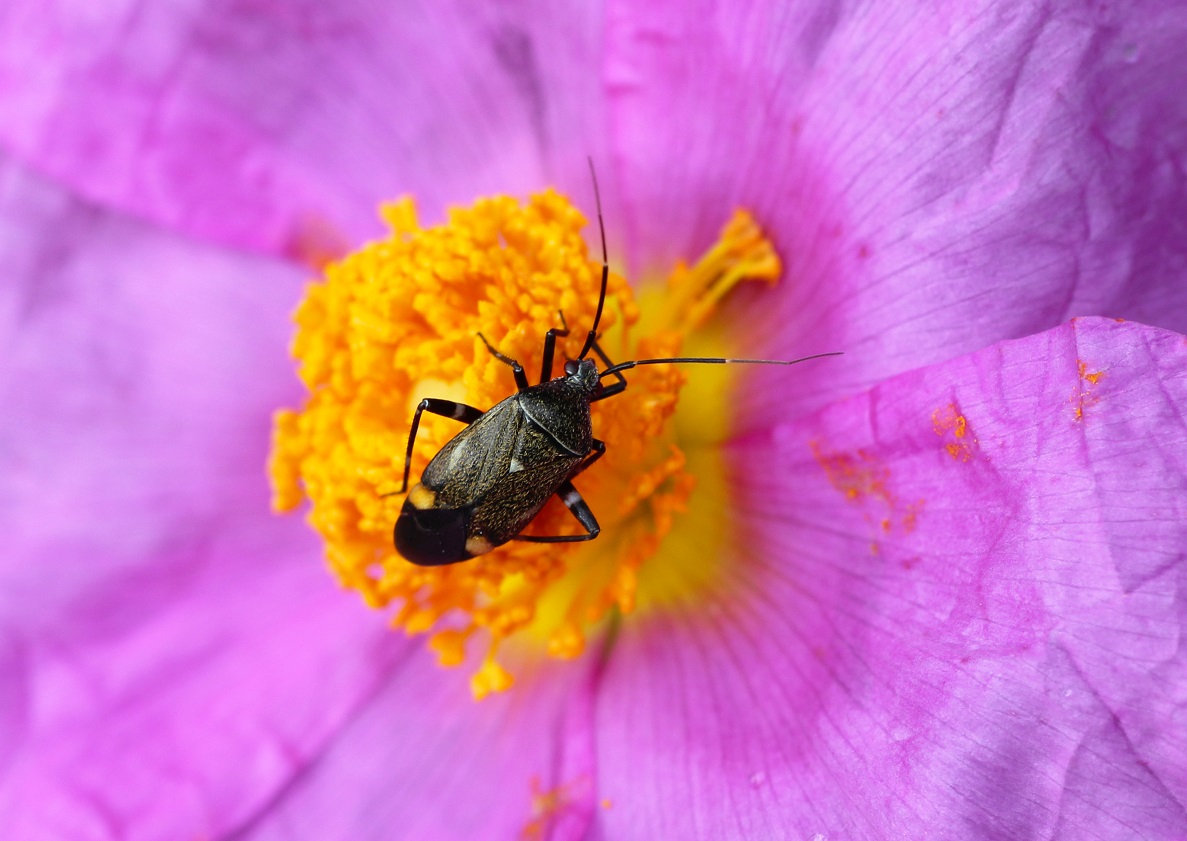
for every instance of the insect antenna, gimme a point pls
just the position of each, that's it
(591, 340)
(713, 360)
(593, 333)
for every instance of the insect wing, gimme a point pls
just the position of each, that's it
(476, 458)
(536, 469)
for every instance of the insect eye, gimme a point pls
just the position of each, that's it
(571, 367)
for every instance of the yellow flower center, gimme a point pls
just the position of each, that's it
(398, 320)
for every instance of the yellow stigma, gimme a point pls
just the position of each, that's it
(398, 320)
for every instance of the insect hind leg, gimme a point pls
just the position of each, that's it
(578, 508)
(444, 408)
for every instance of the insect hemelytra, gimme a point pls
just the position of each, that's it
(494, 476)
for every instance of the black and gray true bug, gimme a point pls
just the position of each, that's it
(494, 476)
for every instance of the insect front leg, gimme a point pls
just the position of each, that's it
(610, 390)
(521, 379)
(577, 508)
(550, 347)
(444, 408)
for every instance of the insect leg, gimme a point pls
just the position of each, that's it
(550, 347)
(521, 379)
(599, 450)
(444, 408)
(610, 390)
(578, 508)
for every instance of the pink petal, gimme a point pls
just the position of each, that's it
(279, 126)
(937, 178)
(974, 637)
(141, 372)
(170, 653)
(424, 761)
(189, 721)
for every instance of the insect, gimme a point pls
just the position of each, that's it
(484, 486)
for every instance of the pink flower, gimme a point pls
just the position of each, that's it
(959, 593)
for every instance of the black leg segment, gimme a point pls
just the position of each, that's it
(444, 408)
(599, 450)
(521, 379)
(610, 390)
(550, 347)
(578, 508)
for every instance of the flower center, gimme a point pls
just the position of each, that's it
(398, 320)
